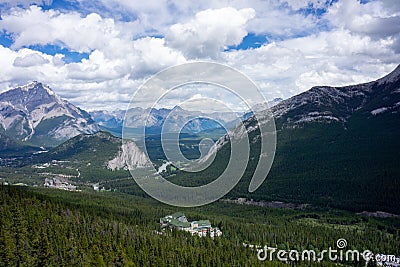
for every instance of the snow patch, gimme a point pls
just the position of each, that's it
(379, 111)
(317, 118)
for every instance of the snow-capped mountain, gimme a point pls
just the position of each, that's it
(34, 113)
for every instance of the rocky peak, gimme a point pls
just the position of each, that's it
(36, 113)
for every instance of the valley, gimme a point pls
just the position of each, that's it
(177, 133)
(324, 160)
(335, 175)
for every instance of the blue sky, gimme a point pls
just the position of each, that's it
(96, 53)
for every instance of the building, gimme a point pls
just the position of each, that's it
(174, 223)
(173, 219)
(179, 221)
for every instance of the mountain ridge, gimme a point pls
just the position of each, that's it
(327, 103)
(171, 119)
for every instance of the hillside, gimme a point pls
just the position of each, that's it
(95, 148)
(336, 146)
(58, 228)
(10, 147)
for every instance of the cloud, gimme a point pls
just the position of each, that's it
(114, 58)
(127, 41)
(376, 19)
(154, 55)
(279, 25)
(30, 60)
(360, 46)
(82, 34)
(155, 17)
(139, 59)
(24, 65)
(335, 58)
(373, 18)
(210, 32)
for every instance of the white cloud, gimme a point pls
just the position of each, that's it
(282, 24)
(30, 60)
(24, 65)
(210, 32)
(154, 56)
(333, 58)
(360, 42)
(376, 19)
(114, 58)
(155, 17)
(81, 34)
(95, 69)
(373, 18)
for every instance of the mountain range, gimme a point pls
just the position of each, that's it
(195, 122)
(34, 116)
(173, 120)
(336, 147)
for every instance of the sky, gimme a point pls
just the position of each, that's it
(97, 53)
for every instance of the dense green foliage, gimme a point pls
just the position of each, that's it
(56, 228)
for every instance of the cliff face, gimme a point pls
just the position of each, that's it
(129, 157)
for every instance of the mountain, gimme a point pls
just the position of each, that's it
(86, 162)
(112, 120)
(195, 121)
(99, 147)
(339, 104)
(336, 146)
(33, 113)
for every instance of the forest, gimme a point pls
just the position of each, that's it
(45, 227)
